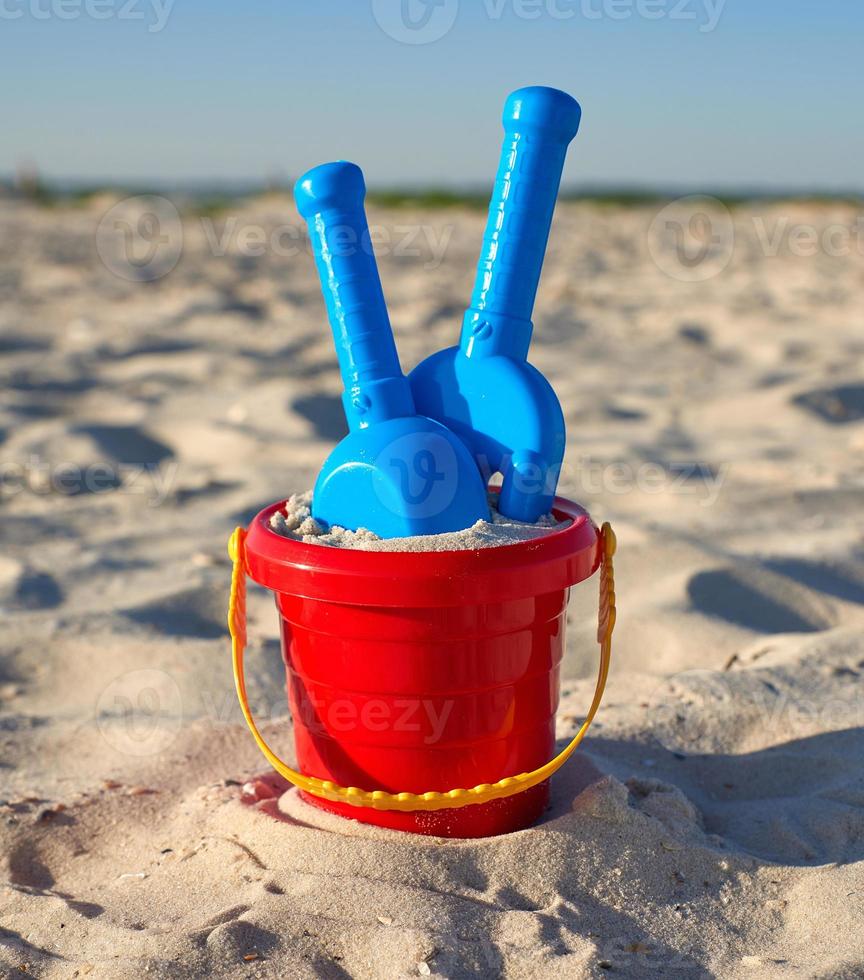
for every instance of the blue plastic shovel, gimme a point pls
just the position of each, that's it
(484, 390)
(396, 472)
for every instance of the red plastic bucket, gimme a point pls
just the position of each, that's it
(416, 672)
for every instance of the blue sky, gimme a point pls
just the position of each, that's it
(769, 97)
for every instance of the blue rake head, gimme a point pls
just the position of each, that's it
(485, 390)
(396, 472)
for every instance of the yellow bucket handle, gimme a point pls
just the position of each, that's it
(454, 798)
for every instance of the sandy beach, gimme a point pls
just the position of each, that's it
(712, 825)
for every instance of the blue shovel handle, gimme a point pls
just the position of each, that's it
(330, 198)
(539, 123)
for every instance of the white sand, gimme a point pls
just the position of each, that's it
(298, 524)
(713, 822)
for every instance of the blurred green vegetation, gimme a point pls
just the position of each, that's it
(432, 198)
(213, 201)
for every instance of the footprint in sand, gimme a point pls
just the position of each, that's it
(127, 444)
(758, 599)
(34, 410)
(195, 613)
(20, 344)
(29, 873)
(838, 406)
(232, 941)
(23, 589)
(35, 381)
(796, 803)
(150, 347)
(843, 580)
(326, 414)
(30, 531)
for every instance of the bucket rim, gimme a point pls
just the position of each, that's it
(557, 560)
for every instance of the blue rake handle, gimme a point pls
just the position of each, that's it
(330, 198)
(539, 123)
